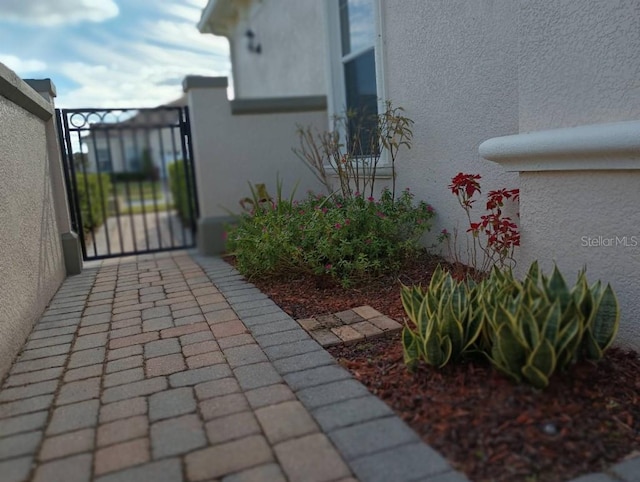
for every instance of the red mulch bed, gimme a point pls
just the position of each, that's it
(485, 425)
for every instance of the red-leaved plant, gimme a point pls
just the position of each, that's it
(495, 236)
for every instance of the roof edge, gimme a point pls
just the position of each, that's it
(219, 16)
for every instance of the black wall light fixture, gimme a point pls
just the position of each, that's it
(254, 46)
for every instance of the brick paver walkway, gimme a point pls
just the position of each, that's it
(143, 369)
(170, 368)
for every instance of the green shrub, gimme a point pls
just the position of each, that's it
(180, 191)
(350, 239)
(93, 191)
(527, 329)
(149, 170)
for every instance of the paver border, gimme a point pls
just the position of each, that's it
(345, 410)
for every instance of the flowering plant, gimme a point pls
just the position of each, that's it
(350, 239)
(495, 236)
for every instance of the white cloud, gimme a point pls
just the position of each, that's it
(200, 4)
(146, 76)
(189, 10)
(143, 68)
(183, 12)
(137, 63)
(48, 12)
(22, 66)
(101, 86)
(183, 35)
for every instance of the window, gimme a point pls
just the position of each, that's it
(133, 160)
(104, 160)
(355, 90)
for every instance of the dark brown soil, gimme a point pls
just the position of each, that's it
(303, 296)
(494, 430)
(485, 425)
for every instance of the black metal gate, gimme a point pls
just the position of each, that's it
(130, 179)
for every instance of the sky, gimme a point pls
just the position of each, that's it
(110, 53)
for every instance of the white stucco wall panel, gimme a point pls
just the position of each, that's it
(453, 66)
(232, 150)
(291, 62)
(578, 62)
(572, 219)
(31, 262)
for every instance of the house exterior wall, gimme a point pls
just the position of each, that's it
(453, 66)
(99, 141)
(31, 258)
(470, 70)
(578, 63)
(291, 62)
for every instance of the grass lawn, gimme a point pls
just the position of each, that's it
(148, 209)
(147, 190)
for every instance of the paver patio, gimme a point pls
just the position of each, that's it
(172, 367)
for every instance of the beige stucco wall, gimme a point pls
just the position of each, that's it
(232, 150)
(578, 65)
(31, 262)
(572, 219)
(579, 62)
(453, 66)
(292, 39)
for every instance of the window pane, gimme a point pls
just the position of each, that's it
(357, 25)
(362, 100)
(104, 159)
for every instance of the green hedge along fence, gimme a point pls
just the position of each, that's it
(180, 191)
(93, 195)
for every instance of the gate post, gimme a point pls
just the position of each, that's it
(207, 97)
(70, 241)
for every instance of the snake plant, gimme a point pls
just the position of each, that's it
(443, 322)
(545, 325)
(527, 328)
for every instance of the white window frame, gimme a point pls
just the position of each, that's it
(336, 91)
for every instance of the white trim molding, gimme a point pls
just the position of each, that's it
(611, 146)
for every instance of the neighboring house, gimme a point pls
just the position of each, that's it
(126, 146)
(466, 71)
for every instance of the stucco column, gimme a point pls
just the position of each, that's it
(208, 105)
(579, 206)
(70, 241)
